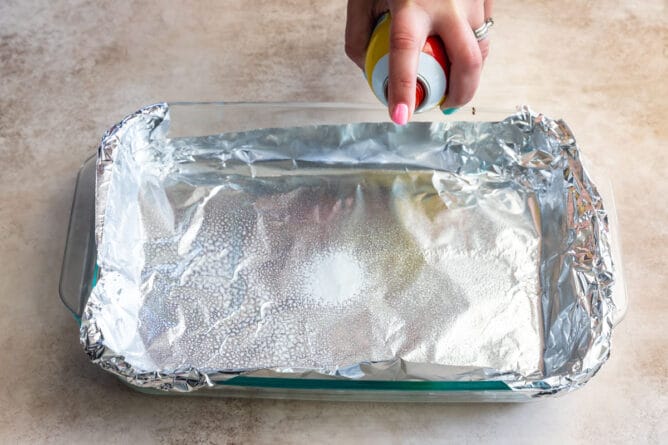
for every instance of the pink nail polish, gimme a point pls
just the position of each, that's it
(400, 114)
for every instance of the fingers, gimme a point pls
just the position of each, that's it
(408, 33)
(361, 17)
(484, 48)
(411, 23)
(489, 8)
(465, 57)
(477, 17)
(359, 23)
(484, 44)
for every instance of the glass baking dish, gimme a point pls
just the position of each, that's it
(79, 271)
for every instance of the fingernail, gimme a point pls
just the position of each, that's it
(400, 114)
(449, 111)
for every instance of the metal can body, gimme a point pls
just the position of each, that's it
(431, 85)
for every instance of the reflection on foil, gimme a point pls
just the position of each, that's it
(459, 251)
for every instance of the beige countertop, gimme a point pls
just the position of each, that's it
(68, 70)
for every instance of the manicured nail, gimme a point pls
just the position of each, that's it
(400, 114)
(449, 111)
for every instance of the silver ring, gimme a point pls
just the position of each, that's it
(481, 33)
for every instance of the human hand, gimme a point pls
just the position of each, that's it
(412, 22)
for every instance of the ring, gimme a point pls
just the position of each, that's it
(481, 33)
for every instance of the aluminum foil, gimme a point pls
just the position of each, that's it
(435, 251)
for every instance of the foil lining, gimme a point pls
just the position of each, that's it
(435, 251)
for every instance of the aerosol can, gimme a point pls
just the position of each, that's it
(433, 67)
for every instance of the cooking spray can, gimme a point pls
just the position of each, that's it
(432, 83)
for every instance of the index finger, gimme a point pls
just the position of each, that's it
(408, 33)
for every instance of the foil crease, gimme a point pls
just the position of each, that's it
(435, 251)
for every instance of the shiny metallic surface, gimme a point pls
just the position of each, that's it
(435, 251)
(482, 32)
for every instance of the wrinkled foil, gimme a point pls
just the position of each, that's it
(435, 251)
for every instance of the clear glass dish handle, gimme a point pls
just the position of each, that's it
(78, 269)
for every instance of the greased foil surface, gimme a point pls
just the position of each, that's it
(435, 251)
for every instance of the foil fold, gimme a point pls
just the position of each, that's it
(436, 251)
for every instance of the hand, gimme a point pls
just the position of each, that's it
(412, 22)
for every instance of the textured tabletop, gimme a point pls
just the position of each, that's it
(70, 69)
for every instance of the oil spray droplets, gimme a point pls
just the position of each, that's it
(327, 271)
(333, 277)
